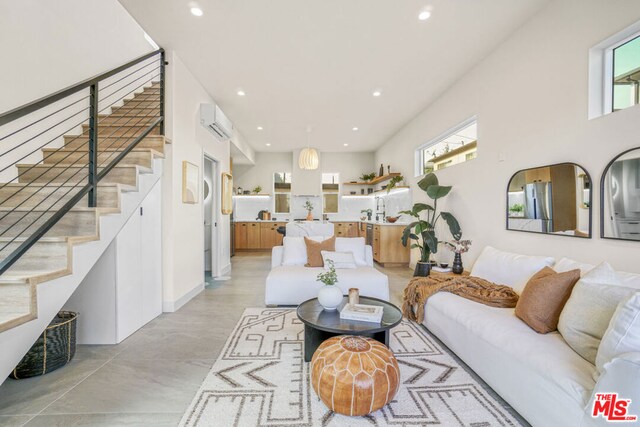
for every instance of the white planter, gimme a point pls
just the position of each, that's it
(330, 297)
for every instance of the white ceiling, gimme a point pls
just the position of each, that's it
(316, 63)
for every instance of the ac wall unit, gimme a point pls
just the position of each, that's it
(212, 118)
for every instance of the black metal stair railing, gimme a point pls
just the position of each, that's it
(40, 200)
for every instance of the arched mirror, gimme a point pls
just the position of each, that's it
(620, 201)
(554, 199)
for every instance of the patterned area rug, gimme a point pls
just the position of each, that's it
(260, 379)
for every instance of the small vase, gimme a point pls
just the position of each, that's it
(330, 297)
(422, 269)
(309, 216)
(457, 267)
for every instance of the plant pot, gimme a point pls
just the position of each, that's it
(422, 269)
(330, 297)
(309, 216)
(457, 267)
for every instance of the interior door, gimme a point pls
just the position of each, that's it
(151, 254)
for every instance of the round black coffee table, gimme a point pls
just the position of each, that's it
(320, 325)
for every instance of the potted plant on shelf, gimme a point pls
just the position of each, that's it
(257, 189)
(458, 247)
(422, 231)
(309, 207)
(393, 182)
(517, 209)
(366, 177)
(329, 296)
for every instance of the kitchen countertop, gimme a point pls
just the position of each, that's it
(333, 220)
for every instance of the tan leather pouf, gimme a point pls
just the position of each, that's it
(354, 375)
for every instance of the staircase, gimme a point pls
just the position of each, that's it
(60, 211)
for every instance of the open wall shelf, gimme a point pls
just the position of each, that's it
(376, 180)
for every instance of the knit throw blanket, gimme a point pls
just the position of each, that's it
(476, 289)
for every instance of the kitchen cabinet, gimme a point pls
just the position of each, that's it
(345, 229)
(269, 236)
(253, 235)
(257, 235)
(537, 175)
(240, 235)
(387, 246)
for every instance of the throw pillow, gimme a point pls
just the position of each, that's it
(587, 314)
(622, 335)
(355, 245)
(543, 298)
(314, 250)
(506, 268)
(339, 259)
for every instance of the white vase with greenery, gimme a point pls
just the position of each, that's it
(329, 296)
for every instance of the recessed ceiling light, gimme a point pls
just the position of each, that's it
(355, 129)
(424, 15)
(260, 128)
(377, 93)
(268, 144)
(346, 145)
(241, 92)
(196, 11)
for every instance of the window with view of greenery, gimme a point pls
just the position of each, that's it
(282, 192)
(330, 192)
(457, 146)
(626, 74)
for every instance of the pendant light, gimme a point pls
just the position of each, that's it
(308, 159)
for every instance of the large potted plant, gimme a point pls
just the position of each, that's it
(421, 232)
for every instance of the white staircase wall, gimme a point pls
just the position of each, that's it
(52, 295)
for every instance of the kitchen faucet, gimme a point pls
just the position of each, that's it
(384, 214)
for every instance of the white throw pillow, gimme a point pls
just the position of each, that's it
(340, 259)
(622, 335)
(588, 312)
(355, 245)
(628, 280)
(295, 250)
(506, 268)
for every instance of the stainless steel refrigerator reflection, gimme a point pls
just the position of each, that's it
(537, 206)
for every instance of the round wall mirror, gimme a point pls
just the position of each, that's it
(554, 199)
(620, 201)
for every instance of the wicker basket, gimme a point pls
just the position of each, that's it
(53, 349)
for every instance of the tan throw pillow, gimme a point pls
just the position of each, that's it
(314, 250)
(544, 297)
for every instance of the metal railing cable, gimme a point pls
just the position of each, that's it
(41, 194)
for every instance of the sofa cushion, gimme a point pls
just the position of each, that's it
(538, 374)
(506, 268)
(543, 298)
(587, 314)
(628, 280)
(622, 335)
(295, 250)
(292, 285)
(339, 259)
(314, 250)
(355, 245)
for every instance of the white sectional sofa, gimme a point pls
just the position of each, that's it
(539, 375)
(290, 283)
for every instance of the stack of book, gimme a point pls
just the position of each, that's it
(362, 313)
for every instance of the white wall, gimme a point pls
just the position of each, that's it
(49, 45)
(183, 228)
(531, 99)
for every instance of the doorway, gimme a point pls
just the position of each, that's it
(210, 199)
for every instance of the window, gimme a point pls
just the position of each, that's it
(282, 192)
(458, 145)
(614, 72)
(330, 192)
(626, 74)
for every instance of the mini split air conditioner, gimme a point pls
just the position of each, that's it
(212, 118)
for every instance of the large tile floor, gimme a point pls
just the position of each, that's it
(151, 377)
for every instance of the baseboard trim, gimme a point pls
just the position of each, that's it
(226, 269)
(171, 306)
